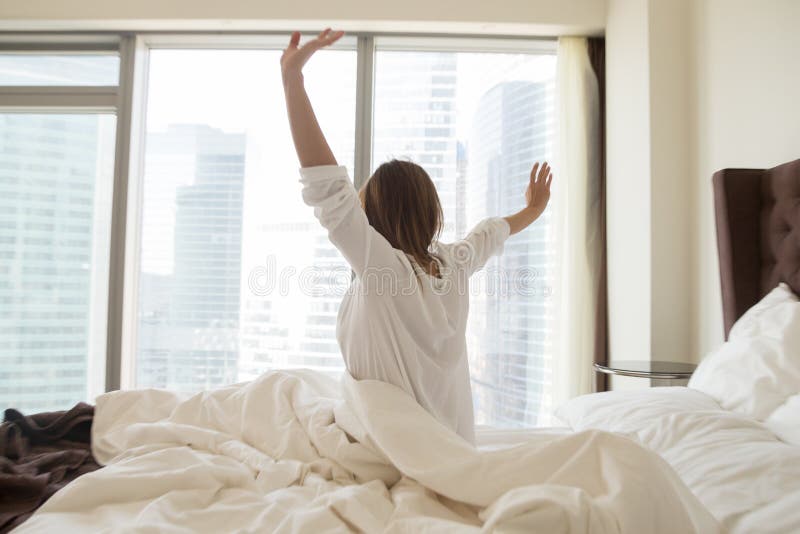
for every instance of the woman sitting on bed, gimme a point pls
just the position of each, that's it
(403, 321)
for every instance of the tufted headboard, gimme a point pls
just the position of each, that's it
(758, 234)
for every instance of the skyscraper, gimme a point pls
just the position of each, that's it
(189, 332)
(415, 118)
(55, 184)
(290, 315)
(508, 322)
(318, 347)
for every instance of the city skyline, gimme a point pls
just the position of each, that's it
(198, 304)
(221, 202)
(55, 212)
(415, 117)
(510, 359)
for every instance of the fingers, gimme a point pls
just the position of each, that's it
(533, 171)
(331, 38)
(295, 57)
(336, 36)
(543, 172)
(327, 37)
(541, 176)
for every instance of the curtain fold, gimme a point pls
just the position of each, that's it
(578, 232)
(597, 57)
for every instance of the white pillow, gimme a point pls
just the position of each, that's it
(626, 411)
(772, 315)
(758, 368)
(785, 421)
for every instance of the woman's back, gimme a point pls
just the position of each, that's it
(397, 323)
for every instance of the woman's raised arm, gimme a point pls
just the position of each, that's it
(326, 184)
(309, 141)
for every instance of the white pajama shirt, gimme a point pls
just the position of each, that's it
(398, 324)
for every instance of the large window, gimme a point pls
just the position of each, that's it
(62, 69)
(56, 176)
(226, 272)
(234, 268)
(476, 121)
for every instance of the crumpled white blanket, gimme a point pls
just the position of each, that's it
(295, 451)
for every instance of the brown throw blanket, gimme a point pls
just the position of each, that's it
(40, 454)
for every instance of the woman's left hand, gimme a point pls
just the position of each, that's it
(536, 197)
(295, 57)
(538, 193)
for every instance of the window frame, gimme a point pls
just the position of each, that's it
(128, 101)
(114, 99)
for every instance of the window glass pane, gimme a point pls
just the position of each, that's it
(477, 122)
(59, 69)
(235, 270)
(56, 173)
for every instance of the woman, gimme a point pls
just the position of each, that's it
(404, 319)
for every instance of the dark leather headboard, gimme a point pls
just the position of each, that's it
(758, 234)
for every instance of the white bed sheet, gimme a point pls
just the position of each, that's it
(292, 452)
(743, 472)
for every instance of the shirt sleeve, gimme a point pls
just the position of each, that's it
(487, 239)
(336, 205)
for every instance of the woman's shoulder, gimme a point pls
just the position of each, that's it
(449, 253)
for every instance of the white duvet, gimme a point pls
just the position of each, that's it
(297, 452)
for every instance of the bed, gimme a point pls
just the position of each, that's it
(733, 435)
(297, 452)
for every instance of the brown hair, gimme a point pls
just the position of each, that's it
(402, 204)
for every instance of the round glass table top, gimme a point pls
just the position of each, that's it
(647, 368)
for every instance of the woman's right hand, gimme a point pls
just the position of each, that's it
(294, 57)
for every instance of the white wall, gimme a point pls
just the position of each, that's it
(648, 197)
(628, 206)
(513, 17)
(670, 194)
(746, 100)
(693, 86)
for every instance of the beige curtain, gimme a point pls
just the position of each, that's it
(577, 227)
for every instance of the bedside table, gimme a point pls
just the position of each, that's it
(663, 372)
